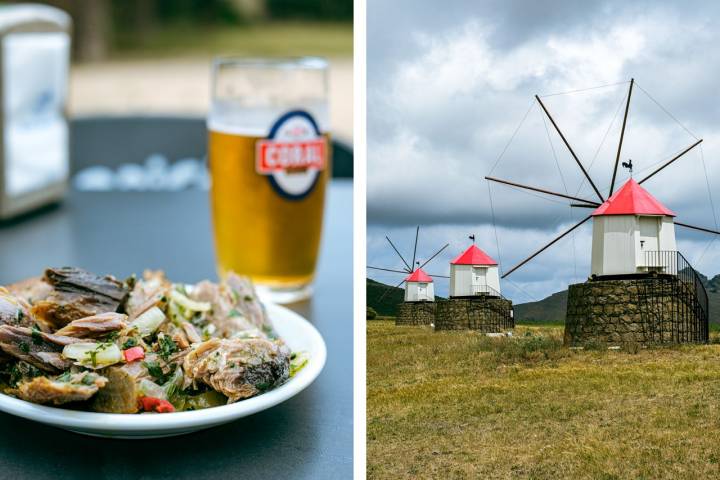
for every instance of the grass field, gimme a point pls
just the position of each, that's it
(462, 405)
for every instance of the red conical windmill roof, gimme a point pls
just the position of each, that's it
(419, 276)
(473, 256)
(632, 199)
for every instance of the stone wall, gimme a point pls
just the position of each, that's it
(650, 310)
(485, 314)
(415, 313)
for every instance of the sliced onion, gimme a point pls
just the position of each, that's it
(93, 355)
(188, 303)
(148, 322)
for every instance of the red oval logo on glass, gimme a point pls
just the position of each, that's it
(293, 155)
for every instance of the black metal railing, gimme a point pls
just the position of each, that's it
(485, 290)
(676, 306)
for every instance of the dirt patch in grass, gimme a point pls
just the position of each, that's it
(463, 405)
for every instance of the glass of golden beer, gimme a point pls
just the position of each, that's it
(269, 159)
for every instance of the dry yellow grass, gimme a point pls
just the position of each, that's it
(461, 405)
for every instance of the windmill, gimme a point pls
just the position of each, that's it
(634, 259)
(418, 307)
(418, 284)
(475, 302)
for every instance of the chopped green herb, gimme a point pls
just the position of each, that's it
(37, 339)
(249, 298)
(21, 371)
(24, 347)
(263, 386)
(65, 377)
(167, 346)
(155, 371)
(129, 343)
(111, 337)
(234, 313)
(269, 331)
(20, 315)
(88, 380)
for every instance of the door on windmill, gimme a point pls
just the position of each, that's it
(649, 246)
(479, 280)
(422, 291)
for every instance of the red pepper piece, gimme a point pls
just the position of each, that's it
(134, 353)
(153, 404)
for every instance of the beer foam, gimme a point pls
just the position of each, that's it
(256, 122)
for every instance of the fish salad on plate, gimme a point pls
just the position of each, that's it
(79, 340)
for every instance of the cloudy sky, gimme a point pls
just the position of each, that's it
(451, 83)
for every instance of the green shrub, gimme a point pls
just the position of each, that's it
(371, 313)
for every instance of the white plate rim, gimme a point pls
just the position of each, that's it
(118, 423)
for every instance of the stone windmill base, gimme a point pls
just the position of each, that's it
(482, 313)
(416, 313)
(661, 309)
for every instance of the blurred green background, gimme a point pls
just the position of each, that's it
(152, 57)
(106, 29)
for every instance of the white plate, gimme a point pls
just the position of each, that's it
(297, 332)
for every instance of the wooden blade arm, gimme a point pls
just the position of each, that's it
(417, 232)
(401, 257)
(545, 247)
(548, 192)
(672, 160)
(388, 289)
(388, 270)
(572, 152)
(435, 255)
(702, 229)
(622, 135)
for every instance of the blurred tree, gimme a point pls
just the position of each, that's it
(250, 10)
(311, 9)
(98, 23)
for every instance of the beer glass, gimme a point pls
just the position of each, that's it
(269, 159)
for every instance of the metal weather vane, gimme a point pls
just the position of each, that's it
(585, 203)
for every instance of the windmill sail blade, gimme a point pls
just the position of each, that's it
(545, 247)
(702, 229)
(549, 192)
(389, 289)
(622, 135)
(388, 270)
(417, 232)
(438, 276)
(582, 205)
(672, 160)
(401, 257)
(572, 152)
(435, 255)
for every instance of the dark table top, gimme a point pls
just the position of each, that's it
(309, 436)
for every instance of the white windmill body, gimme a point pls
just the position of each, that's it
(633, 233)
(472, 273)
(419, 287)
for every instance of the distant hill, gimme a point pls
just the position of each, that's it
(550, 309)
(553, 308)
(387, 305)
